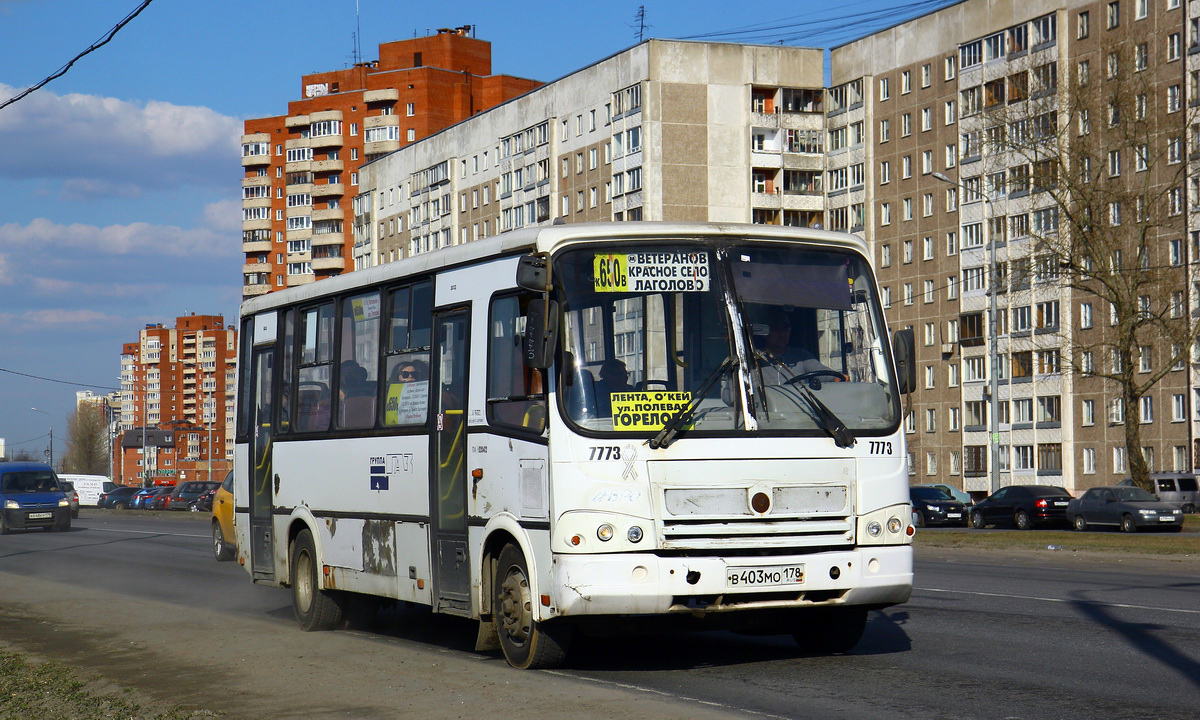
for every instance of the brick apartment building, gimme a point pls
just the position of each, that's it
(176, 403)
(936, 96)
(302, 168)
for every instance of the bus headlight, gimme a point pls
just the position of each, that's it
(604, 532)
(894, 525)
(634, 535)
(874, 528)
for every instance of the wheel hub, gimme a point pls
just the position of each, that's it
(516, 607)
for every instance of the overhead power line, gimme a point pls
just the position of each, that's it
(833, 23)
(91, 48)
(55, 380)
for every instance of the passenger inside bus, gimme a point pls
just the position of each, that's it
(614, 378)
(357, 396)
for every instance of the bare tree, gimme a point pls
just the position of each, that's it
(87, 443)
(1102, 157)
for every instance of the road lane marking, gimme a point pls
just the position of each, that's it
(665, 694)
(145, 532)
(1059, 600)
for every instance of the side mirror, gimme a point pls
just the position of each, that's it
(541, 333)
(904, 348)
(533, 273)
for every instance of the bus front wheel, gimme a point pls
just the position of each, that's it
(831, 630)
(527, 643)
(315, 609)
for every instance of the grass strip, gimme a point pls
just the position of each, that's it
(50, 691)
(1141, 543)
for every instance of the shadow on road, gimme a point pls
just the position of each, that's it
(1141, 636)
(634, 648)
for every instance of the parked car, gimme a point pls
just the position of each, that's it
(205, 501)
(31, 496)
(118, 498)
(224, 541)
(931, 506)
(1129, 508)
(141, 498)
(959, 495)
(185, 492)
(72, 496)
(1023, 506)
(158, 500)
(1174, 487)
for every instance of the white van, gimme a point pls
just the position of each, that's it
(89, 487)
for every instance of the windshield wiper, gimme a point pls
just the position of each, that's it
(683, 415)
(828, 420)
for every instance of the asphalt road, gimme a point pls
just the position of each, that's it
(1039, 635)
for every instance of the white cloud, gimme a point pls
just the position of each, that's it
(136, 238)
(5, 273)
(225, 215)
(101, 146)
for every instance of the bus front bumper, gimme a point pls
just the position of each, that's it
(637, 583)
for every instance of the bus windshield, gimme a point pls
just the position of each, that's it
(778, 337)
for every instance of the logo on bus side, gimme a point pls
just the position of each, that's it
(384, 466)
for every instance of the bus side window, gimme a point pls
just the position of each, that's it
(314, 394)
(516, 394)
(409, 324)
(358, 382)
(284, 406)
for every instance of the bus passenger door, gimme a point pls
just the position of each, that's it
(262, 561)
(452, 569)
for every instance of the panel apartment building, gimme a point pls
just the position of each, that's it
(176, 403)
(666, 130)
(302, 168)
(914, 118)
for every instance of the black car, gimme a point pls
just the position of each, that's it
(1023, 506)
(118, 498)
(1129, 508)
(934, 507)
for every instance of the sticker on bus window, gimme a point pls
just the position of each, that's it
(365, 308)
(651, 272)
(643, 411)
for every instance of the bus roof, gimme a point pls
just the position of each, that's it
(541, 239)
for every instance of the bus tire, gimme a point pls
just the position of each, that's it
(831, 630)
(527, 644)
(315, 609)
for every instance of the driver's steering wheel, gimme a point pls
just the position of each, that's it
(812, 375)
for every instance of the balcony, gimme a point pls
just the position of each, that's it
(256, 181)
(328, 214)
(253, 160)
(765, 200)
(381, 147)
(384, 95)
(328, 239)
(335, 263)
(328, 189)
(256, 246)
(326, 166)
(297, 121)
(256, 202)
(327, 141)
(250, 291)
(264, 224)
(378, 121)
(250, 268)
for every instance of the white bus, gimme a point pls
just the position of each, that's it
(583, 422)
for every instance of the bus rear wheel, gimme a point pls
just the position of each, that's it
(527, 643)
(830, 630)
(315, 609)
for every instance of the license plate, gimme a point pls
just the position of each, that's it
(953, 515)
(1164, 518)
(764, 576)
(1061, 504)
(40, 516)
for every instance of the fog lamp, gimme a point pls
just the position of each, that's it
(604, 532)
(874, 528)
(634, 535)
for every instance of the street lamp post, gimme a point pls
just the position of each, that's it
(51, 433)
(993, 339)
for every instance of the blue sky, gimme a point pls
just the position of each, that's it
(119, 182)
